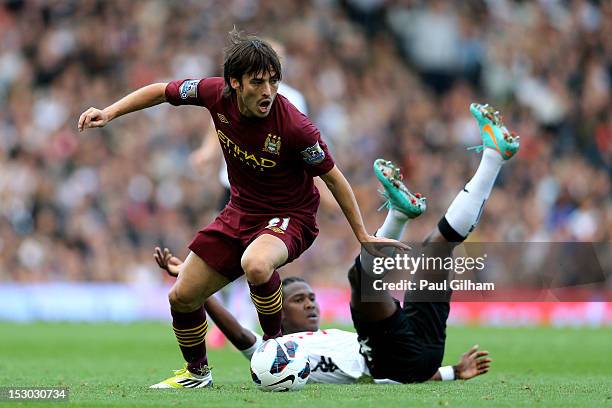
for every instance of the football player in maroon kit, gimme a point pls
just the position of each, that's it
(272, 152)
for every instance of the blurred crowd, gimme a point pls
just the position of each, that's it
(383, 78)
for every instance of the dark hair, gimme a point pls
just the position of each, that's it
(291, 279)
(248, 55)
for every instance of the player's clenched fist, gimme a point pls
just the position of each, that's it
(92, 118)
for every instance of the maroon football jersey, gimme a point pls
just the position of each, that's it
(270, 161)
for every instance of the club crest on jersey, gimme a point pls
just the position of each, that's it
(313, 155)
(272, 144)
(189, 89)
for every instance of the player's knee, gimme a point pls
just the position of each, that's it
(256, 269)
(181, 302)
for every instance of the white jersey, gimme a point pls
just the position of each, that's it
(333, 355)
(295, 97)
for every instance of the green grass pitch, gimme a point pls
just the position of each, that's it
(111, 365)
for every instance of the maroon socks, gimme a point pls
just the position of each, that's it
(190, 329)
(268, 300)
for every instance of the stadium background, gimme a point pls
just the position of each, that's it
(81, 213)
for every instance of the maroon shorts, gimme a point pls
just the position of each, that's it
(222, 243)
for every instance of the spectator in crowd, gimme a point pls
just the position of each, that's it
(377, 84)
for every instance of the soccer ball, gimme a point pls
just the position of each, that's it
(280, 365)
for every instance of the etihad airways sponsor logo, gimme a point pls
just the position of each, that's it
(243, 155)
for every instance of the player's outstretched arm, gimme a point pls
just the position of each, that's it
(142, 98)
(343, 193)
(239, 336)
(328, 202)
(471, 364)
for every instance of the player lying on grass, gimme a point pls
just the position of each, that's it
(334, 354)
(406, 344)
(272, 152)
(400, 345)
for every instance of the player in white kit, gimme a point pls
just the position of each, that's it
(334, 355)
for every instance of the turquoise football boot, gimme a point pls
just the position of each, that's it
(494, 134)
(397, 194)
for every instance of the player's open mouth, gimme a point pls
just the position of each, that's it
(264, 106)
(313, 316)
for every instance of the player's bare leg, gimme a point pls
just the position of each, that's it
(402, 205)
(259, 262)
(196, 282)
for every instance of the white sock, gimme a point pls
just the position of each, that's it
(393, 228)
(394, 225)
(465, 210)
(248, 352)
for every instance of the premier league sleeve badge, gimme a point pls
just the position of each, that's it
(313, 154)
